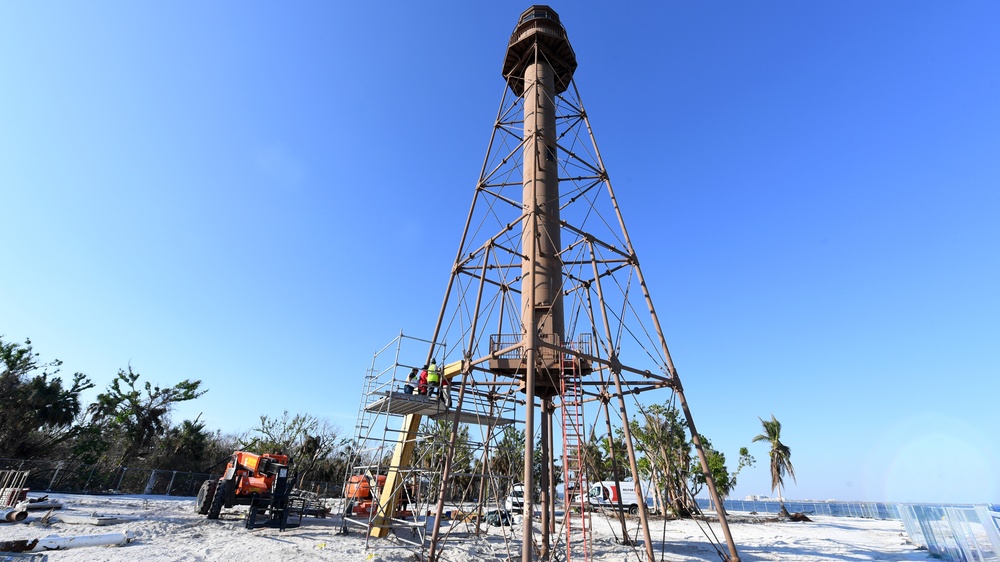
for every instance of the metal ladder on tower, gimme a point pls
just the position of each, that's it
(574, 465)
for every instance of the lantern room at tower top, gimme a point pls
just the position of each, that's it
(539, 25)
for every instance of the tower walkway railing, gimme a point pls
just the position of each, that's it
(505, 341)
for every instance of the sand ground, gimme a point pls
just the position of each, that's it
(167, 529)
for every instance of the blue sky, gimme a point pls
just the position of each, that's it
(261, 196)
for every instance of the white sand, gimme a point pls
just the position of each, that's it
(167, 529)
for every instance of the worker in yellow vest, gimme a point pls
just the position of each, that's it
(433, 377)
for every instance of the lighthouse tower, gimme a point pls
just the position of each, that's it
(547, 315)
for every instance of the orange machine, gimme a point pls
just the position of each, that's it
(250, 479)
(361, 498)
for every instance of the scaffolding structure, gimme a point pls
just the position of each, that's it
(386, 412)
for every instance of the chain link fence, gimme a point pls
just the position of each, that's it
(867, 510)
(79, 478)
(960, 533)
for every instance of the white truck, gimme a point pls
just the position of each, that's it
(515, 499)
(606, 494)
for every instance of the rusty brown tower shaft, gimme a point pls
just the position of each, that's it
(539, 64)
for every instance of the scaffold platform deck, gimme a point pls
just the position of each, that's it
(400, 403)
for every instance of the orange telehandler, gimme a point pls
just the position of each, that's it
(261, 481)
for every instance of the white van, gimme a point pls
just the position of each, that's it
(606, 494)
(515, 499)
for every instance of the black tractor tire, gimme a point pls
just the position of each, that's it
(205, 496)
(218, 500)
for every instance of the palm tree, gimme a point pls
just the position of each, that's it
(780, 457)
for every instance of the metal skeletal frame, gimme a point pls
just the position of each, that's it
(606, 296)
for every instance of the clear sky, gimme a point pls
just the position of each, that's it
(261, 195)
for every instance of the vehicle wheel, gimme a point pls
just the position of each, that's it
(217, 500)
(205, 496)
(633, 509)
